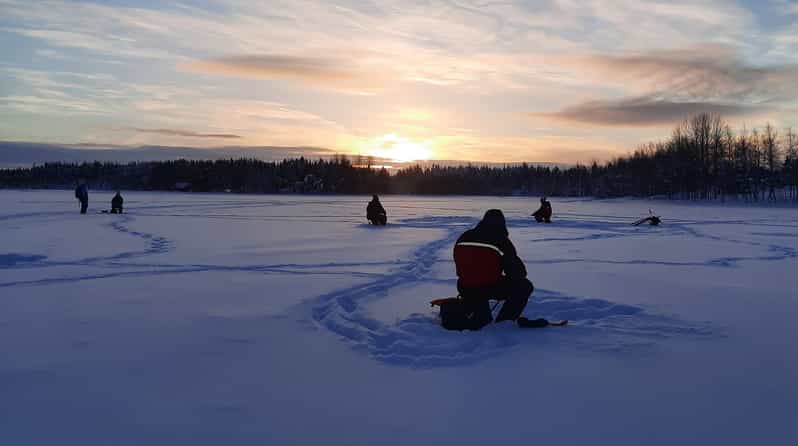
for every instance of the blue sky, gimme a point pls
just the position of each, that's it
(552, 80)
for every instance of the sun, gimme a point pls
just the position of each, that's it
(400, 149)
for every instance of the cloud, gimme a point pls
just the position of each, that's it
(18, 154)
(186, 133)
(707, 72)
(59, 92)
(663, 87)
(318, 71)
(106, 44)
(788, 7)
(257, 122)
(53, 104)
(640, 112)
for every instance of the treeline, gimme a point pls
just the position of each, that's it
(703, 159)
(336, 175)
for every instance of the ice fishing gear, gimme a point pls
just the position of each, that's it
(460, 314)
(539, 323)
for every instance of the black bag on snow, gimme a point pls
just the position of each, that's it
(463, 314)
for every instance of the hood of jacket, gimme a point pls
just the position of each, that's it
(493, 225)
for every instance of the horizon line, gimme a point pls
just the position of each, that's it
(319, 152)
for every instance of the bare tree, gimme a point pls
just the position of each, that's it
(791, 160)
(700, 128)
(755, 163)
(716, 153)
(771, 155)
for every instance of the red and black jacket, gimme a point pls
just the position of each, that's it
(483, 255)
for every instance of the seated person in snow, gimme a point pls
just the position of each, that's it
(653, 220)
(544, 212)
(488, 267)
(375, 213)
(116, 203)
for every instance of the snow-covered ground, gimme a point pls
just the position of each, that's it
(227, 319)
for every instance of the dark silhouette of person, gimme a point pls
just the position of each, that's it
(544, 212)
(653, 220)
(82, 194)
(488, 267)
(116, 203)
(375, 213)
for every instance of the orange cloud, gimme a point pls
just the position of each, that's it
(325, 72)
(187, 133)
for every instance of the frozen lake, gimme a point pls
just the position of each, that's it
(234, 319)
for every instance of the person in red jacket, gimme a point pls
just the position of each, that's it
(488, 267)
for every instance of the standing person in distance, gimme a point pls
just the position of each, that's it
(375, 213)
(82, 194)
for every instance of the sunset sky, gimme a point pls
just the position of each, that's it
(549, 80)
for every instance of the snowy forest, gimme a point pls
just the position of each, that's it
(704, 158)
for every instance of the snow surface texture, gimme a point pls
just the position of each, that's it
(227, 319)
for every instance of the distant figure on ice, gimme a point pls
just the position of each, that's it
(488, 267)
(116, 203)
(375, 213)
(652, 220)
(82, 194)
(544, 212)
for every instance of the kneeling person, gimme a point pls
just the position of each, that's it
(488, 267)
(543, 214)
(116, 203)
(375, 213)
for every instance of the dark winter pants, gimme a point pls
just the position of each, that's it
(514, 292)
(379, 220)
(84, 204)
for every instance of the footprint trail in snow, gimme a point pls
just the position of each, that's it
(419, 341)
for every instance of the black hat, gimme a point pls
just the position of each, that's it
(494, 222)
